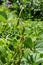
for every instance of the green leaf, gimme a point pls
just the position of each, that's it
(40, 60)
(3, 14)
(39, 46)
(2, 51)
(28, 43)
(2, 18)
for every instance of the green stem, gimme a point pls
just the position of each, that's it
(19, 15)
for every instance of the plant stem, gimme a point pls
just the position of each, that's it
(19, 15)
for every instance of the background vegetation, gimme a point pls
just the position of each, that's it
(21, 32)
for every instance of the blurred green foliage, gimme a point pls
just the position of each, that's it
(21, 32)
